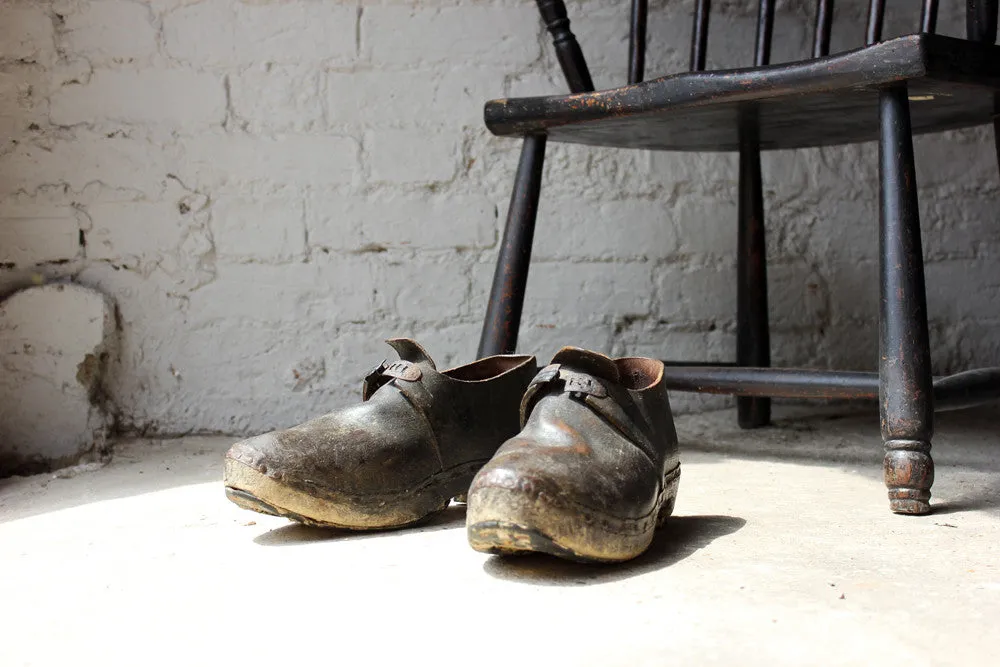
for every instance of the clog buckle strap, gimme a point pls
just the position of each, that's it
(385, 373)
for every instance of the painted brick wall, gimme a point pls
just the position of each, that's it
(269, 188)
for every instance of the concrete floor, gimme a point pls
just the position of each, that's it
(792, 561)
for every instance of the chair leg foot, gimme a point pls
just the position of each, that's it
(909, 473)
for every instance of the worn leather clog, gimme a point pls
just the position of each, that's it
(415, 442)
(594, 469)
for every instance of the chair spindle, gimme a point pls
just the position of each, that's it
(981, 21)
(699, 35)
(928, 17)
(765, 26)
(568, 51)
(637, 42)
(876, 12)
(821, 38)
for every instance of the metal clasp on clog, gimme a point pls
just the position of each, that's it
(548, 374)
(574, 383)
(583, 385)
(403, 370)
(374, 380)
(385, 373)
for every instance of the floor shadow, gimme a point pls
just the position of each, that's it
(986, 499)
(297, 533)
(680, 537)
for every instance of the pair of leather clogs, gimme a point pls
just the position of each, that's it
(578, 460)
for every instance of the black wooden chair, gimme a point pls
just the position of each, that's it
(914, 84)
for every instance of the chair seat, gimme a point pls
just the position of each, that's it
(826, 101)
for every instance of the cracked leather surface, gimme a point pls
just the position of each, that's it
(597, 433)
(414, 423)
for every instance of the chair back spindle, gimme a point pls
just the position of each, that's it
(876, 13)
(699, 35)
(637, 42)
(928, 16)
(765, 26)
(568, 51)
(821, 37)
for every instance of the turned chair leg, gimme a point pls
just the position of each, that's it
(906, 396)
(503, 313)
(753, 342)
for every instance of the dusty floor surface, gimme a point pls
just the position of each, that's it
(782, 552)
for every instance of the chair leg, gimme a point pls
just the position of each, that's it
(996, 127)
(503, 313)
(906, 396)
(753, 341)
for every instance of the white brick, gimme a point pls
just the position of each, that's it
(22, 100)
(955, 157)
(845, 229)
(329, 290)
(179, 98)
(603, 33)
(706, 293)
(295, 159)
(705, 225)
(428, 97)
(107, 31)
(401, 221)
(26, 33)
(960, 226)
(628, 229)
(31, 235)
(83, 158)
(696, 172)
(422, 290)
(411, 156)
(853, 288)
(544, 340)
(862, 353)
(846, 171)
(296, 31)
(449, 345)
(401, 35)
(133, 231)
(278, 97)
(565, 292)
(796, 296)
(660, 342)
(258, 228)
(667, 28)
(218, 32)
(803, 349)
(785, 176)
(978, 297)
(202, 33)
